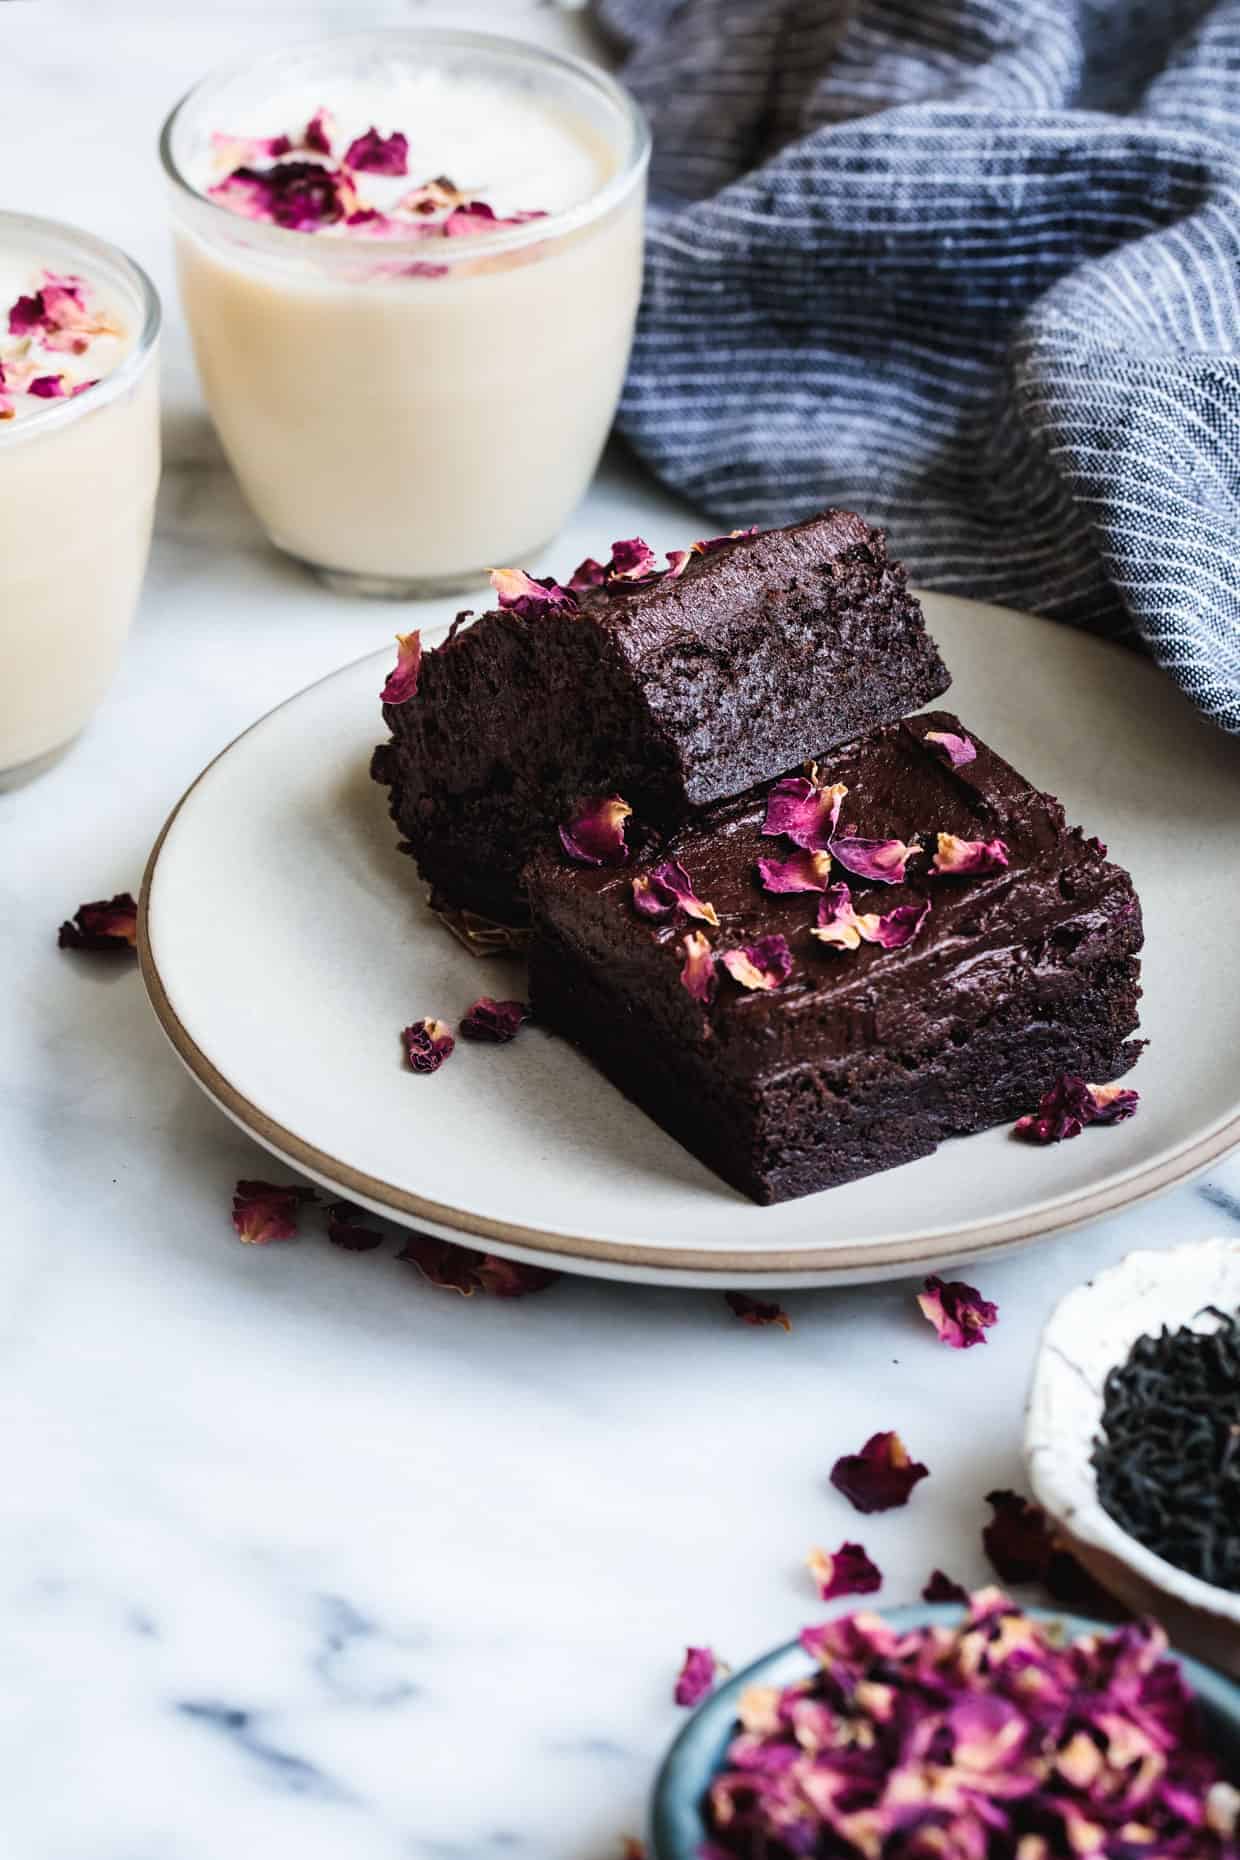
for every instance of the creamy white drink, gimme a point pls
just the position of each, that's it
(79, 466)
(411, 263)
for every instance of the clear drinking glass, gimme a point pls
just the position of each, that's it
(77, 501)
(401, 427)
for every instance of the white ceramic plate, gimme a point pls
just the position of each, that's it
(1091, 1331)
(287, 1005)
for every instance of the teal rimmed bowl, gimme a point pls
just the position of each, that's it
(677, 1827)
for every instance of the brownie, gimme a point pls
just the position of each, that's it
(675, 690)
(863, 1058)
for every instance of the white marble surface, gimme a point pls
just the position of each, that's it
(299, 1557)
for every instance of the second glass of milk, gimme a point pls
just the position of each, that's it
(406, 409)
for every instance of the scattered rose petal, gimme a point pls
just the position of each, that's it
(345, 1229)
(899, 926)
(301, 196)
(402, 683)
(956, 857)
(941, 1588)
(880, 1477)
(801, 871)
(803, 812)
(711, 543)
(959, 1313)
(595, 835)
(427, 1044)
(27, 315)
(957, 750)
(668, 887)
(49, 387)
(633, 560)
(880, 862)
(763, 965)
(756, 1311)
(375, 154)
(1018, 1540)
(243, 151)
(848, 1572)
(512, 1278)
(522, 594)
(437, 196)
(1113, 1103)
(495, 1022)
(107, 924)
(319, 133)
(697, 1675)
(678, 561)
(1063, 1111)
(587, 574)
(839, 925)
(266, 1211)
(449, 1268)
(698, 969)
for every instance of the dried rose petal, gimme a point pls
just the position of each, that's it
(804, 812)
(595, 835)
(697, 1675)
(1018, 1540)
(848, 1572)
(107, 924)
(319, 133)
(27, 315)
(265, 1211)
(243, 151)
(402, 683)
(375, 154)
(880, 1477)
(301, 196)
(633, 560)
(50, 387)
(801, 871)
(839, 926)
(522, 594)
(587, 574)
(764, 965)
(427, 1044)
(448, 1267)
(431, 197)
(958, 1311)
(698, 970)
(668, 887)
(880, 862)
(1063, 1111)
(512, 1278)
(957, 750)
(756, 1311)
(678, 561)
(711, 543)
(941, 1588)
(1113, 1103)
(957, 857)
(899, 926)
(495, 1022)
(345, 1229)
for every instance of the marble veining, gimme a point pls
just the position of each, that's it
(298, 1556)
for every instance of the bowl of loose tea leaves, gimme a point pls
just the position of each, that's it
(1133, 1438)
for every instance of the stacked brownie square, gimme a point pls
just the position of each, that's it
(810, 933)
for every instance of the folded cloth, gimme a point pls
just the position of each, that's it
(971, 267)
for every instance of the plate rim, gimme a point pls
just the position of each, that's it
(879, 1258)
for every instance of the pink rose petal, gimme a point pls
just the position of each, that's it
(956, 857)
(522, 594)
(959, 1313)
(1113, 1103)
(763, 965)
(633, 560)
(698, 969)
(697, 1677)
(839, 925)
(956, 750)
(1069, 1104)
(668, 887)
(427, 1044)
(375, 154)
(803, 812)
(880, 862)
(402, 682)
(595, 834)
(801, 871)
(849, 1572)
(587, 574)
(897, 927)
(880, 1477)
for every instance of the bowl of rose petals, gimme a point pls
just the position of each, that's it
(1133, 1438)
(982, 1732)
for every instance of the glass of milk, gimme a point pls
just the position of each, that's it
(79, 468)
(410, 260)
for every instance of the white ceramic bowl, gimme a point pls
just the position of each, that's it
(1091, 1331)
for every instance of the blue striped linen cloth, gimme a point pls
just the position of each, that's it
(971, 267)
